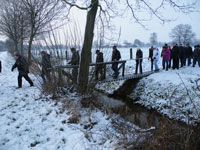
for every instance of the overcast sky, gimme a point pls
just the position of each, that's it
(131, 30)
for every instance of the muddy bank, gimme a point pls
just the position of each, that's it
(172, 133)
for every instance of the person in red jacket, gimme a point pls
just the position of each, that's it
(166, 57)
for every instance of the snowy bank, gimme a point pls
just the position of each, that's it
(29, 120)
(173, 93)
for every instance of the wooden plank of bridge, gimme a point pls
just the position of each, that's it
(126, 77)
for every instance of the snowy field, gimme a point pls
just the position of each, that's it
(29, 122)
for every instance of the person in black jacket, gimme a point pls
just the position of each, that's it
(182, 55)
(23, 69)
(46, 65)
(115, 57)
(175, 56)
(74, 61)
(139, 57)
(170, 61)
(0, 66)
(99, 67)
(196, 57)
(189, 53)
(151, 56)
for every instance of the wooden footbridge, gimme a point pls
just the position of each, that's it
(109, 78)
(126, 77)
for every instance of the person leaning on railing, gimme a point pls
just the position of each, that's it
(139, 57)
(46, 64)
(156, 57)
(115, 57)
(99, 67)
(74, 61)
(151, 56)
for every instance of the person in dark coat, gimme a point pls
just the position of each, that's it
(23, 69)
(115, 57)
(139, 57)
(189, 53)
(74, 61)
(151, 56)
(182, 55)
(175, 56)
(99, 67)
(0, 66)
(196, 56)
(46, 65)
(170, 60)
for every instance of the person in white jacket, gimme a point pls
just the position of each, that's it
(156, 57)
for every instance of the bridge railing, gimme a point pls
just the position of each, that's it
(122, 64)
(104, 66)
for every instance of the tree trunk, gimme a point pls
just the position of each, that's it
(22, 47)
(87, 46)
(16, 46)
(29, 49)
(22, 38)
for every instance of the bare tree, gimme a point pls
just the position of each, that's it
(182, 34)
(41, 13)
(9, 21)
(153, 38)
(107, 10)
(137, 42)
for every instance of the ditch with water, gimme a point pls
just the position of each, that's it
(182, 135)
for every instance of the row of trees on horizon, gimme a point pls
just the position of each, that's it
(181, 34)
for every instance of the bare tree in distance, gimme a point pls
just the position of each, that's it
(153, 39)
(41, 13)
(110, 9)
(9, 21)
(138, 43)
(182, 34)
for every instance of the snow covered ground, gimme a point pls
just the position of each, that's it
(29, 122)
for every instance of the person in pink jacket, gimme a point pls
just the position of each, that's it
(166, 56)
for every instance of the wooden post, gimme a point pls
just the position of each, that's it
(123, 68)
(66, 55)
(60, 80)
(131, 53)
(104, 75)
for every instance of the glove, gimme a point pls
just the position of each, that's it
(154, 58)
(12, 69)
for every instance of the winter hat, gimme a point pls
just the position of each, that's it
(114, 47)
(43, 52)
(17, 54)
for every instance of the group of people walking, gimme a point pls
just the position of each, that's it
(23, 68)
(175, 57)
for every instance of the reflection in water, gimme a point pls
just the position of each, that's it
(170, 133)
(135, 114)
